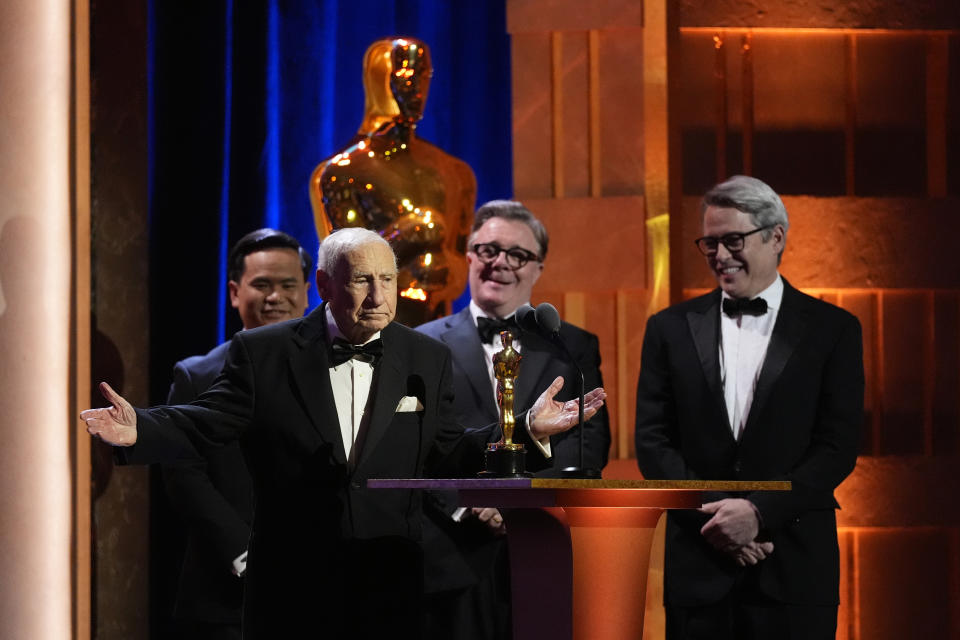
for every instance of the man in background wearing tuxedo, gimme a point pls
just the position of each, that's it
(268, 278)
(753, 381)
(467, 580)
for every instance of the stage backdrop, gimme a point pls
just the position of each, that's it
(247, 98)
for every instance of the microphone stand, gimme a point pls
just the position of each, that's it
(576, 471)
(545, 321)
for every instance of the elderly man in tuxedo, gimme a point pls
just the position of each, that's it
(320, 405)
(268, 277)
(466, 579)
(753, 381)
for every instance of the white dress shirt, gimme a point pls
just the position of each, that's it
(743, 347)
(351, 382)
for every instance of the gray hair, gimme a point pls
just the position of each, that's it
(343, 241)
(511, 210)
(751, 196)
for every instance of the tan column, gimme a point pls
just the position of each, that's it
(35, 319)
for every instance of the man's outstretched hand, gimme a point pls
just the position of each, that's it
(548, 416)
(116, 425)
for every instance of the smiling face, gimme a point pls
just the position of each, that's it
(494, 286)
(271, 288)
(744, 273)
(362, 291)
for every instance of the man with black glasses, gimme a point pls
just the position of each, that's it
(754, 381)
(467, 585)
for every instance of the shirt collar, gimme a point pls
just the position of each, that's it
(477, 312)
(772, 294)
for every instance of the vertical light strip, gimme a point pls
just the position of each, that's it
(556, 133)
(746, 87)
(225, 168)
(593, 53)
(36, 495)
(624, 419)
(850, 123)
(720, 92)
(80, 336)
(273, 98)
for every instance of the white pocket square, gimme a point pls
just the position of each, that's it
(409, 403)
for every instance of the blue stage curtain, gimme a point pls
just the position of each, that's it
(247, 98)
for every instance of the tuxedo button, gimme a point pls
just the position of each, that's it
(736, 467)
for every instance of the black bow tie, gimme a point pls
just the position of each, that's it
(744, 306)
(489, 327)
(341, 351)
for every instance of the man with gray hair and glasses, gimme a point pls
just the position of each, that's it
(753, 381)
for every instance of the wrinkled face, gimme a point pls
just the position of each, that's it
(744, 273)
(271, 288)
(362, 291)
(497, 288)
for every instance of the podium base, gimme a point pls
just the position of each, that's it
(505, 463)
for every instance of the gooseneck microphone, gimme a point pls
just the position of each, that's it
(545, 321)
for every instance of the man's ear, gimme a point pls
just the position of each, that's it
(779, 236)
(537, 273)
(322, 282)
(233, 288)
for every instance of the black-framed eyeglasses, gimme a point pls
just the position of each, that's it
(734, 242)
(515, 256)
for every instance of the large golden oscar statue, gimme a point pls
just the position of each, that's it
(387, 179)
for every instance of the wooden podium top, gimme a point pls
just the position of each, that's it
(576, 492)
(574, 483)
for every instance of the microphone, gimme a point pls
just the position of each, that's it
(546, 322)
(527, 319)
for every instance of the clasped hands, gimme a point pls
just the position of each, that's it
(733, 529)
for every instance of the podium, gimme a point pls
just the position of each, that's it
(579, 549)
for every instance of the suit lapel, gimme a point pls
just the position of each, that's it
(704, 326)
(786, 335)
(536, 353)
(310, 371)
(389, 387)
(468, 354)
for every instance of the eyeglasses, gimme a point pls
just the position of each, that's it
(734, 242)
(516, 257)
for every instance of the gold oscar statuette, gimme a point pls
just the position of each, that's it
(506, 459)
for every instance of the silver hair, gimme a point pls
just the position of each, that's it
(343, 241)
(751, 196)
(511, 210)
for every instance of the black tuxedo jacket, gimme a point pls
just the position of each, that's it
(214, 498)
(803, 426)
(453, 554)
(318, 532)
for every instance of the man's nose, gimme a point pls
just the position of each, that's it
(377, 294)
(500, 261)
(274, 294)
(722, 252)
